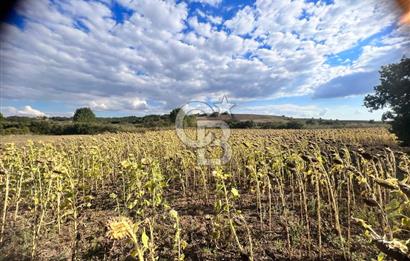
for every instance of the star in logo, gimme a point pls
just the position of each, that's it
(224, 106)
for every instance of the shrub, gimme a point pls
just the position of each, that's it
(294, 125)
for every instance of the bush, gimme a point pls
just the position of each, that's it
(241, 124)
(40, 127)
(86, 128)
(310, 122)
(14, 130)
(294, 125)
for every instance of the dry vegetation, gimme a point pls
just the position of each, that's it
(285, 195)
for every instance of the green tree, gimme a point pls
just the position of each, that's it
(1, 117)
(84, 115)
(173, 114)
(393, 93)
(189, 120)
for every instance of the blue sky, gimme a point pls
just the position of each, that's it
(124, 57)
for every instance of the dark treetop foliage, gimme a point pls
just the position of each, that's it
(173, 114)
(394, 93)
(84, 115)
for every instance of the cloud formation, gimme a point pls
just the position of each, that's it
(27, 111)
(154, 55)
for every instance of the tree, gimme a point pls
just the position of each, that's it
(84, 115)
(173, 114)
(393, 93)
(189, 120)
(1, 117)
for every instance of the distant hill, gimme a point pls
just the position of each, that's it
(248, 117)
(274, 121)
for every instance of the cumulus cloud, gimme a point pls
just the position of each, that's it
(114, 104)
(79, 53)
(363, 75)
(209, 2)
(243, 22)
(27, 111)
(214, 19)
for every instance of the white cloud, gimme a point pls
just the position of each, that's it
(77, 53)
(243, 22)
(213, 19)
(160, 15)
(113, 104)
(362, 75)
(209, 2)
(27, 111)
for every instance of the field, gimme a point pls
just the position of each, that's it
(22, 139)
(334, 194)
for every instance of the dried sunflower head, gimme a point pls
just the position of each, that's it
(120, 228)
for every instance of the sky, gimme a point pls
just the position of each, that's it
(137, 57)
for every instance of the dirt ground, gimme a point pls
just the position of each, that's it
(196, 216)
